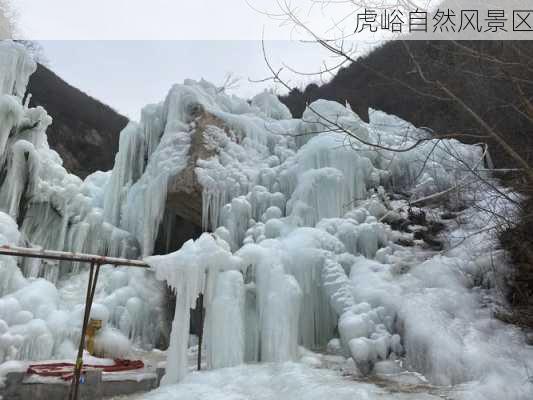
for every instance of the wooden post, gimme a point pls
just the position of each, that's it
(91, 288)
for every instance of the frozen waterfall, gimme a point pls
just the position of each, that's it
(298, 249)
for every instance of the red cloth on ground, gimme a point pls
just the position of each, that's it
(65, 371)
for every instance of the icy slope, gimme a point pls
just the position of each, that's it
(299, 206)
(304, 212)
(435, 307)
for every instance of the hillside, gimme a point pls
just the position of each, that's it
(84, 131)
(488, 76)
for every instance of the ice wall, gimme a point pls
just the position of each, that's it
(56, 210)
(302, 207)
(116, 213)
(296, 213)
(225, 322)
(40, 321)
(35, 188)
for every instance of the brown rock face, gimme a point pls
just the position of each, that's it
(185, 193)
(183, 212)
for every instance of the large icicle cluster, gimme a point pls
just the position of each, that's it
(40, 318)
(204, 266)
(54, 209)
(301, 207)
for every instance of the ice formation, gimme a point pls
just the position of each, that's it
(302, 211)
(42, 205)
(299, 253)
(202, 266)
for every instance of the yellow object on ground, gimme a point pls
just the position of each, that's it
(94, 326)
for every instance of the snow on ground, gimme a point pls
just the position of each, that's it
(285, 381)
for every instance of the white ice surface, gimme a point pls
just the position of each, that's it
(286, 381)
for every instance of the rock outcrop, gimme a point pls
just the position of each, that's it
(183, 213)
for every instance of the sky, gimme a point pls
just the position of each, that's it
(130, 74)
(128, 53)
(167, 19)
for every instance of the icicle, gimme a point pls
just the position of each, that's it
(22, 172)
(11, 113)
(185, 271)
(279, 313)
(320, 194)
(128, 168)
(16, 66)
(225, 341)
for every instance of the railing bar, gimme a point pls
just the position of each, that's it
(66, 256)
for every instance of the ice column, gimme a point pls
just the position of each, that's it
(225, 322)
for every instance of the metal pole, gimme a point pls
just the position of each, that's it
(62, 255)
(200, 305)
(91, 288)
(95, 262)
(202, 319)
